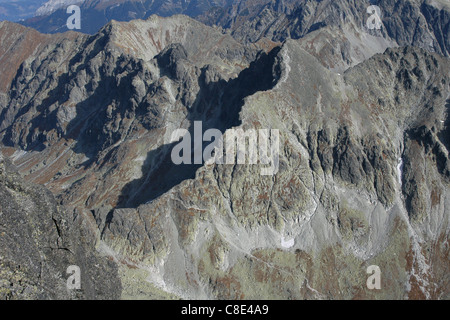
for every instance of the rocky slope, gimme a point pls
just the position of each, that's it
(347, 40)
(408, 22)
(51, 6)
(39, 241)
(338, 203)
(363, 173)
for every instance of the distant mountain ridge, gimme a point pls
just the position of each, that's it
(96, 13)
(53, 5)
(423, 23)
(19, 9)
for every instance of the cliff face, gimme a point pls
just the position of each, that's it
(423, 23)
(363, 174)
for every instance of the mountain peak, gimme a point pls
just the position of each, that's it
(146, 38)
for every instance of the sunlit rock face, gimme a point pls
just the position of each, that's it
(363, 170)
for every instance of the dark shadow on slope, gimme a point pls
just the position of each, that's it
(218, 105)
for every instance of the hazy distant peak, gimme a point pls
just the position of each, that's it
(53, 5)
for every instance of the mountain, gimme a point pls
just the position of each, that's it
(362, 173)
(53, 5)
(96, 13)
(39, 241)
(347, 40)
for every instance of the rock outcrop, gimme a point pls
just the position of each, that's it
(39, 241)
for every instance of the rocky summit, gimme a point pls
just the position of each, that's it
(87, 176)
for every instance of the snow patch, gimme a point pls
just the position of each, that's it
(287, 243)
(400, 171)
